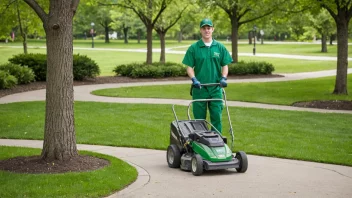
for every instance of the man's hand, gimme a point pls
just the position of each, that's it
(196, 83)
(223, 82)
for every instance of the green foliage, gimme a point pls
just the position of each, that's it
(7, 80)
(83, 66)
(24, 75)
(244, 68)
(154, 70)
(37, 62)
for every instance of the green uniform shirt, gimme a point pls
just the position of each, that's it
(207, 62)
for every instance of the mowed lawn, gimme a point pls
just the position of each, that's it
(320, 137)
(282, 93)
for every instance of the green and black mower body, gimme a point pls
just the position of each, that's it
(193, 147)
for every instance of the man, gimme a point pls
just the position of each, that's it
(207, 62)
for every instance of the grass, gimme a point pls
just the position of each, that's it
(289, 49)
(287, 134)
(98, 183)
(107, 60)
(282, 93)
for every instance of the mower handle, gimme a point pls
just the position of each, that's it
(210, 85)
(209, 100)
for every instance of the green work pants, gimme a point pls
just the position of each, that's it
(215, 107)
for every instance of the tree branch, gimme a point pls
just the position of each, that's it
(255, 18)
(329, 10)
(228, 11)
(39, 10)
(177, 19)
(162, 8)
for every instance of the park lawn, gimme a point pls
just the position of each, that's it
(281, 93)
(319, 137)
(284, 65)
(97, 183)
(108, 60)
(306, 49)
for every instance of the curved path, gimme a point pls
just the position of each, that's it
(266, 177)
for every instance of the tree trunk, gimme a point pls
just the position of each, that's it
(23, 34)
(324, 48)
(59, 136)
(180, 36)
(149, 44)
(162, 47)
(125, 34)
(331, 39)
(25, 48)
(250, 37)
(342, 55)
(106, 28)
(139, 35)
(234, 36)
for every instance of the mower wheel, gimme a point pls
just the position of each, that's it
(173, 156)
(242, 157)
(197, 165)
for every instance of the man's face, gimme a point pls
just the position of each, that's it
(206, 32)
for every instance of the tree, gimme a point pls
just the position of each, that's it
(27, 21)
(149, 12)
(89, 11)
(59, 130)
(244, 11)
(8, 18)
(324, 25)
(341, 11)
(125, 20)
(18, 16)
(166, 21)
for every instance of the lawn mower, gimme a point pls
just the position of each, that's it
(196, 145)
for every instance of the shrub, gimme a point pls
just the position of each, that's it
(83, 66)
(244, 68)
(24, 75)
(7, 80)
(37, 62)
(154, 70)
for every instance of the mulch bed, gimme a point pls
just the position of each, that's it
(36, 165)
(330, 104)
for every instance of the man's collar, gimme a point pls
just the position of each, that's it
(201, 43)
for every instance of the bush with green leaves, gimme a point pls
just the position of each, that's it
(245, 68)
(154, 70)
(7, 80)
(37, 62)
(83, 66)
(24, 75)
(158, 70)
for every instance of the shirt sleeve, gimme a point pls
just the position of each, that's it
(226, 59)
(189, 58)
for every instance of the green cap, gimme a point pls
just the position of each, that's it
(206, 22)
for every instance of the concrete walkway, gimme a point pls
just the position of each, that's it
(266, 177)
(82, 93)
